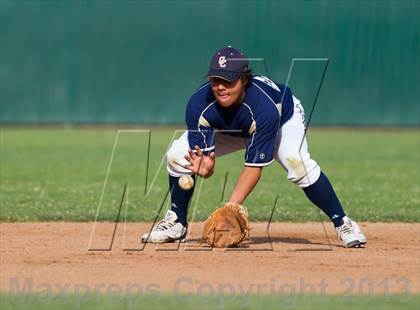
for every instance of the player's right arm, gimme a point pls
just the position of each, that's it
(200, 164)
(201, 155)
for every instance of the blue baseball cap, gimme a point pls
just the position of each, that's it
(228, 63)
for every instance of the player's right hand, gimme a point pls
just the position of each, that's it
(200, 164)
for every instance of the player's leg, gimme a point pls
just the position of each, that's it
(292, 153)
(176, 162)
(174, 225)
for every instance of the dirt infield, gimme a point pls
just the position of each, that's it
(298, 258)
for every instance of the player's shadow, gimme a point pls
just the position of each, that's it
(265, 240)
(257, 240)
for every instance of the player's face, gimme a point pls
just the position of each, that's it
(228, 94)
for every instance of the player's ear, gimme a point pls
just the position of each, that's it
(245, 79)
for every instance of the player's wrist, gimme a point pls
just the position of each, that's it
(206, 173)
(209, 173)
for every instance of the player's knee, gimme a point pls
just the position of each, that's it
(294, 162)
(307, 179)
(176, 162)
(170, 156)
(301, 170)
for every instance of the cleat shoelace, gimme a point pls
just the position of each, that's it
(163, 225)
(346, 228)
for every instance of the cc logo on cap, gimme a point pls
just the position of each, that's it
(222, 61)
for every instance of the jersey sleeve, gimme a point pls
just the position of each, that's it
(260, 148)
(285, 96)
(199, 130)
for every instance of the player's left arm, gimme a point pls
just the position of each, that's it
(246, 182)
(259, 153)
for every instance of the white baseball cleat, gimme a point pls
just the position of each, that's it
(351, 235)
(167, 230)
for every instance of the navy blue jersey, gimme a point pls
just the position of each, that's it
(266, 107)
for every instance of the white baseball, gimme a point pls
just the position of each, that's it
(186, 182)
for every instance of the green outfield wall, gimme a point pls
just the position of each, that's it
(139, 61)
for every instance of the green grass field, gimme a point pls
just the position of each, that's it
(86, 301)
(58, 174)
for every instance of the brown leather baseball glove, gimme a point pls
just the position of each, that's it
(227, 226)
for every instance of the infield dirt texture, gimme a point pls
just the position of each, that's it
(296, 259)
(51, 183)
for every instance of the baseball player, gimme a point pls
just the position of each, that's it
(236, 110)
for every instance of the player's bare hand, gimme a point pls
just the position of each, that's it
(200, 164)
